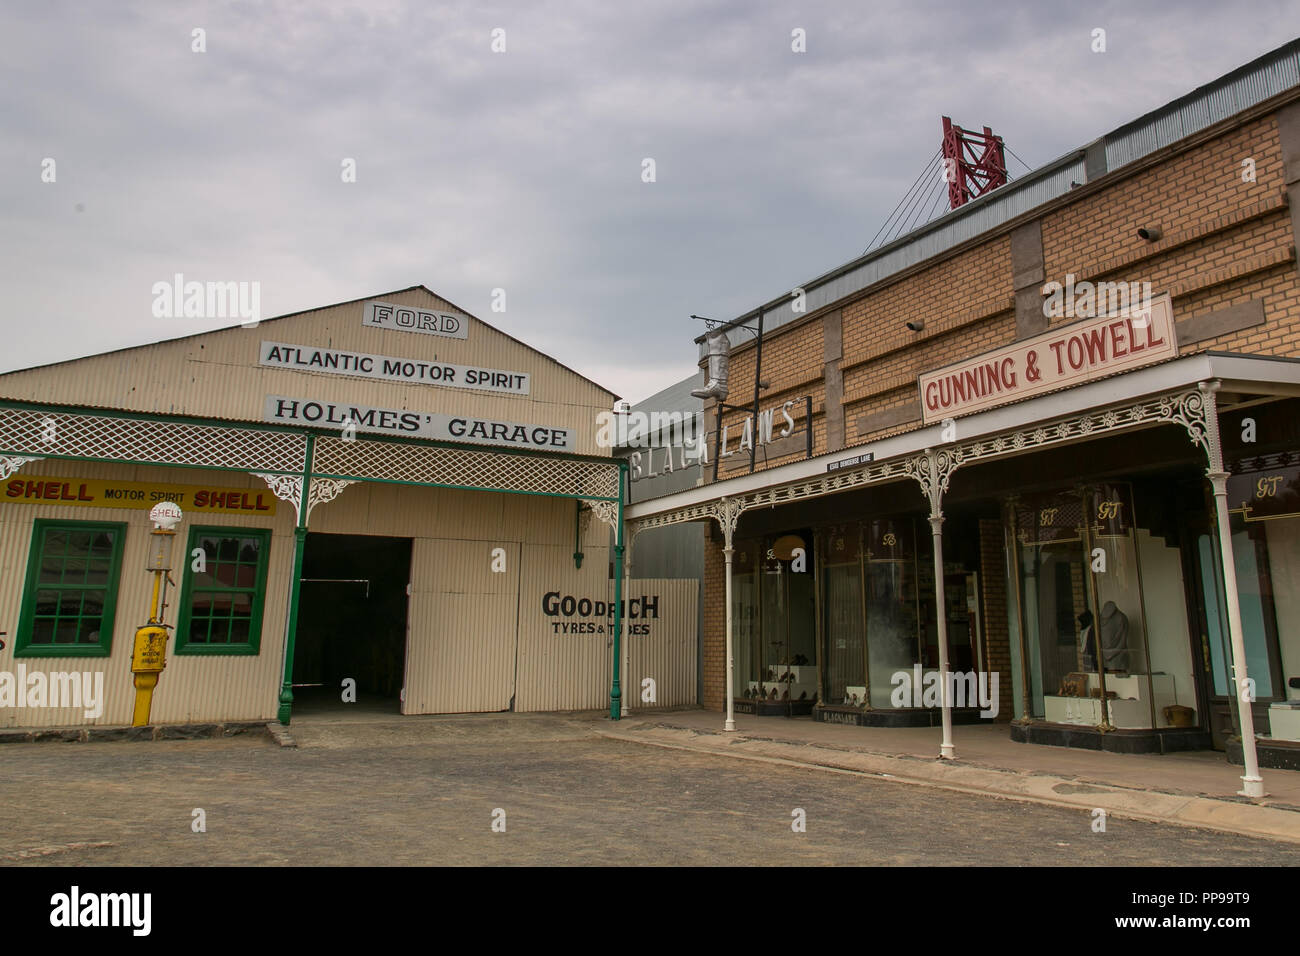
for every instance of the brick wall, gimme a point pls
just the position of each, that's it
(1225, 242)
(713, 639)
(999, 655)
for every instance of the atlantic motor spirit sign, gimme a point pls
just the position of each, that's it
(1070, 355)
(310, 358)
(392, 421)
(405, 318)
(96, 493)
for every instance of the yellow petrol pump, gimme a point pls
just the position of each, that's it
(149, 655)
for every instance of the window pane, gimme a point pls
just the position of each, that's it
(46, 602)
(56, 542)
(79, 542)
(97, 573)
(51, 570)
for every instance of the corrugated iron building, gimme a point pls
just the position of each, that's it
(388, 491)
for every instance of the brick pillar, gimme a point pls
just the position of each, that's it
(713, 638)
(999, 657)
(832, 354)
(1027, 278)
(1288, 134)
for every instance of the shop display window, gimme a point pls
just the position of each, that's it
(896, 621)
(1083, 619)
(746, 643)
(773, 592)
(844, 658)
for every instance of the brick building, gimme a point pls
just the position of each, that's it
(1055, 448)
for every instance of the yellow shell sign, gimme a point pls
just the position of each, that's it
(98, 493)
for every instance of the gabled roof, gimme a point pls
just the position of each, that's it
(318, 308)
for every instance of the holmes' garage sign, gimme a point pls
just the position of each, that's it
(1070, 355)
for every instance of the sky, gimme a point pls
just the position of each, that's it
(522, 168)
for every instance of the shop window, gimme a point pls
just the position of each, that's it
(70, 594)
(776, 648)
(895, 591)
(221, 605)
(845, 680)
(1083, 614)
(1264, 511)
(880, 611)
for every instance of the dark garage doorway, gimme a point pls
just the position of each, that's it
(352, 622)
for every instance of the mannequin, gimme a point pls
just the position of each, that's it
(1087, 646)
(1114, 637)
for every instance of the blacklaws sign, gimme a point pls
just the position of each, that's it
(1064, 357)
(408, 318)
(392, 421)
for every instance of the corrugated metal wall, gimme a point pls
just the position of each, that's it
(192, 688)
(558, 670)
(668, 654)
(476, 638)
(460, 648)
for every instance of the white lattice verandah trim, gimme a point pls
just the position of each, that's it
(1186, 408)
(487, 470)
(606, 511)
(149, 441)
(288, 488)
(9, 465)
(23, 434)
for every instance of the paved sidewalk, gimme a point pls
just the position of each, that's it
(1193, 789)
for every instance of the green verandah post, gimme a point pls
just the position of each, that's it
(615, 690)
(295, 588)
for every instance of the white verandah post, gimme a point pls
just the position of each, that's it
(1252, 782)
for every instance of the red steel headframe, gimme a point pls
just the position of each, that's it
(974, 163)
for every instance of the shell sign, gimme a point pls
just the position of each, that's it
(98, 493)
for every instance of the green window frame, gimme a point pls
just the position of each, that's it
(221, 607)
(70, 592)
